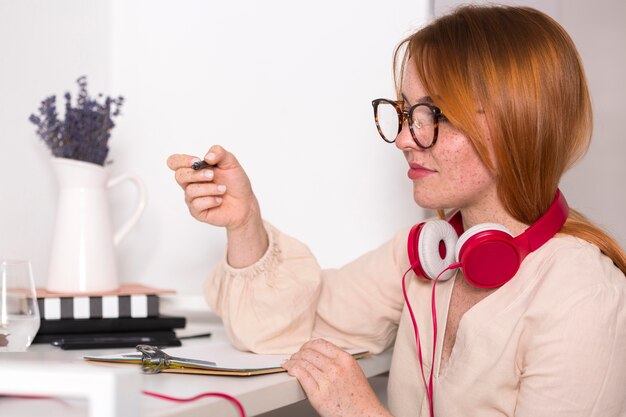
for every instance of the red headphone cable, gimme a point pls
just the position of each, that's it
(230, 398)
(427, 386)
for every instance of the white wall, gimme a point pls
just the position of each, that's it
(285, 85)
(44, 47)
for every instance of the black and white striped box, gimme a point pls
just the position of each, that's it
(99, 307)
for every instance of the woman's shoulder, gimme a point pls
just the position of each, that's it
(574, 264)
(569, 283)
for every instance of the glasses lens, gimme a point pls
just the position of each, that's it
(423, 127)
(387, 121)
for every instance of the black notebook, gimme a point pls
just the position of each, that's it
(69, 326)
(160, 338)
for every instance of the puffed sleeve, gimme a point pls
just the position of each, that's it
(285, 298)
(576, 362)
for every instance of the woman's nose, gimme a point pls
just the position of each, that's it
(405, 140)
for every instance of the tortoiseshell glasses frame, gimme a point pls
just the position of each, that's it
(433, 112)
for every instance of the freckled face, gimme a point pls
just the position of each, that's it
(450, 174)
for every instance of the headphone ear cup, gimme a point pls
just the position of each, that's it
(488, 255)
(436, 249)
(412, 249)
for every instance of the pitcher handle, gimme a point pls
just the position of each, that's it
(130, 223)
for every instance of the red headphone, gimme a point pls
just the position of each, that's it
(488, 253)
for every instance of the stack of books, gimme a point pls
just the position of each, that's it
(123, 318)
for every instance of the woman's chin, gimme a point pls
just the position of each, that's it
(424, 202)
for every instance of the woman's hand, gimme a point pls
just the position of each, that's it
(333, 381)
(222, 196)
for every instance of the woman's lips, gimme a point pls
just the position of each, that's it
(416, 171)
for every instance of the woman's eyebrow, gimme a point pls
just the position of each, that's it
(425, 99)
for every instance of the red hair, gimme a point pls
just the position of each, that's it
(522, 69)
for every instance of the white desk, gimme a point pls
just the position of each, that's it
(257, 394)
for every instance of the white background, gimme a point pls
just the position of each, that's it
(286, 86)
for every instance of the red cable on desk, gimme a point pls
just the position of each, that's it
(197, 397)
(152, 394)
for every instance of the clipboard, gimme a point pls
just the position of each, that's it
(210, 359)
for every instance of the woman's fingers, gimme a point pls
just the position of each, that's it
(202, 204)
(203, 189)
(326, 348)
(186, 176)
(317, 359)
(314, 365)
(308, 374)
(219, 156)
(177, 161)
(203, 196)
(333, 381)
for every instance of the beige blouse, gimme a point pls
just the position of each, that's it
(550, 342)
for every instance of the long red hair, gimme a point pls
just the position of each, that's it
(523, 70)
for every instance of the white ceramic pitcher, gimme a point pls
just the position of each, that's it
(83, 247)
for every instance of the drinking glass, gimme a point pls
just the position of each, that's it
(19, 314)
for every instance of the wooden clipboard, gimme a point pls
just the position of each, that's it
(210, 359)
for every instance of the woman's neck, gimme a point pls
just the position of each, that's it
(491, 210)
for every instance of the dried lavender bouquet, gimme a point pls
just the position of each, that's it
(85, 132)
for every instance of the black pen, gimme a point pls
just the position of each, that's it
(200, 165)
(194, 336)
(110, 342)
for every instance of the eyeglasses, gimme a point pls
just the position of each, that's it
(422, 118)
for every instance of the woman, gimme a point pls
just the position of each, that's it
(493, 108)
